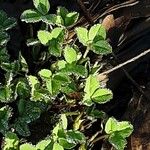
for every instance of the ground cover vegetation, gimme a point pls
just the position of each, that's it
(65, 85)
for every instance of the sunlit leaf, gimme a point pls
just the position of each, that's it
(45, 73)
(57, 146)
(27, 146)
(102, 96)
(31, 16)
(70, 54)
(82, 34)
(44, 36)
(64, 121)
(118, 141)
(91, 85)
(97, 32)
(11, 141)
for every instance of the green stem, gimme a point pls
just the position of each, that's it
(86, 52)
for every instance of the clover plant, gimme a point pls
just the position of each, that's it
(68, 82)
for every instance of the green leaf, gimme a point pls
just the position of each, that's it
(67, 144)
(55, 48)
(82, 34)
(49, 19)
(45, 74)
(96, 33)
(76, 136)
(56, 129)
(31, 16)
(4, 38)
(22, 89)
(4, 57)
(59, 80)
(101, 47)
(6, 94)
(42, 145)
(57, 146)
(75, 69)
(44, 36)
(124, 128)
(5, 114)
(59, 21)
(102, 96)
(70, 54)
(111, 125)
(87, 100)
(71, 18)
(21, 127)
(91, 85)
(27, 146)
(64, 121)
(62, 11)
(118, 141)
(11, 141)
(58, 33)
(61, 64)
(70, 88)
(6, 23)
(42, 6)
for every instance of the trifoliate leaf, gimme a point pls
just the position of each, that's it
(44, 36)
(123, 127)
(70, 54)
(102, 96)
(96, 33)
(42, 6)
(71, 18)
(31, 16)
(101, 47)
(82, 34)
(45, 74)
